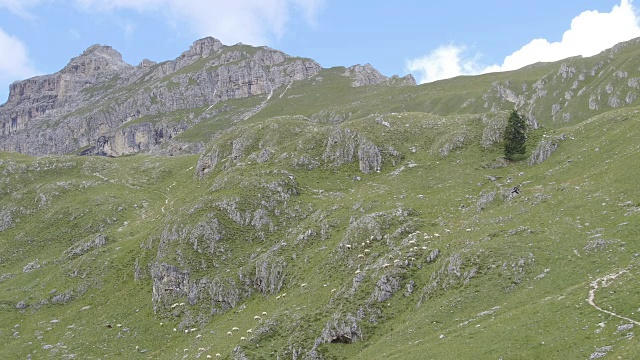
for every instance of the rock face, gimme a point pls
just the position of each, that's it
(342, 329)
(101, 105)
(368, 75)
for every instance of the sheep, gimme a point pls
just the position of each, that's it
(333, 290)
(390, 256)
(348, 247)
(119, 325)
(201, 349)
(436, 235)
(229, 333)
(424, 248)
(257, 318)
(208, 356)
(367, 251)
(358, 272)
(362, 245)
(264, 313)
(174, 329)
(386, 265)
(193, 329)
(278, 297)
(235, 329)
(198, 336)
(303, 285)
(243, 338)
(285, 294)
(174, 305)
(186, 331)
(181, 304)
(218, 355)
(396, 262)
(412, 242)
(249, 331)
(360, 256)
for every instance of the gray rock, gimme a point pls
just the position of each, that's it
(97, 94)
(386, 286)
(545, 148)
(342, 329)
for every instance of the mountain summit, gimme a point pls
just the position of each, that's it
(97, 95)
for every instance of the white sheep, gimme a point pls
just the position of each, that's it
(249, 331)
(257, 318)
(348, 246)
(198, 336)
(412, 242)
(360, 256)
(358, 272)
(333, 290)
(424, 248)
(366, 251)
(285, 294)
(386, 265)
(174, 305)
(243, 338)
(174, 329)
(436, 235)
(229, 333)
(181, 304)
(264, 313)
(218, 355)
(186, 331)
(235, 329)
(193, 329)
(303, 285)
(362, 245)
(208, 356)
(201, 349)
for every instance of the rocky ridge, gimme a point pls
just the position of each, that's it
(101, 105)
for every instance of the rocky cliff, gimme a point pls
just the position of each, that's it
(98, 104)
(88, 102)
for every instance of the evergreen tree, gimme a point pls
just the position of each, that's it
(514, 135)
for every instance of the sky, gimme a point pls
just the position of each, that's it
(432, 40)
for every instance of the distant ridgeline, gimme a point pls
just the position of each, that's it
(100, 105)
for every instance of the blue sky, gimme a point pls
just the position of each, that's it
(430, 39)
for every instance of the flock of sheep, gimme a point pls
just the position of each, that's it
(396, 262)
(366, 252)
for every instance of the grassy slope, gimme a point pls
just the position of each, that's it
(578, 193)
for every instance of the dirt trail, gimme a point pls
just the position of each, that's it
(605, 281)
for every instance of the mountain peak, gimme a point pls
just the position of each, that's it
(96, 59)
(204, 47)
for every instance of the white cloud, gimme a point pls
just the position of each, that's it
(14, 63)
(442, 63)
(248, 21)
(590, 33)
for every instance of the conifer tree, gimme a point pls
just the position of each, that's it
(514, 135)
